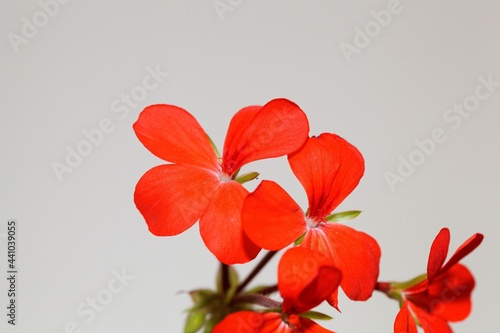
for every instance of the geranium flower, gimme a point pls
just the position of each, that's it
(197, 186)
(442, 295)
(329, 168)
(305, 279)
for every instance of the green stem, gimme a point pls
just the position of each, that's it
(395, 290)
(256, 270)
(256, 299)
(388, 287)
(269, 290)
(410, 283)
(225, 278)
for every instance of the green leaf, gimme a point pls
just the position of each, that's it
(344, 216)
(247, 177)
(194, 322)
(315, 315)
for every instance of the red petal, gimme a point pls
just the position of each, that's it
(333, 299)
(241, 321)
(430, 323)
(354, 253)
(467, 247)
(173, 197)
(271, 218)
(241, 120)
(271, 322)
(305, 279)
(304, 325)
(278, 128)
(220, 226)
(438, 253)
(329, 168)
(174, 135)
(404, 322)
(449, 294)
(455, 290)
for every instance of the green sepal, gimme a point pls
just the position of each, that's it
(247, 177)
(203, 299)
(408, 284)
(214, 147)
(214, 320)
(198, 294)
(316, 315)
(194, 321)
(395, 290)
(344, 216)
(256, 290)
(299, 240)
(397, 295)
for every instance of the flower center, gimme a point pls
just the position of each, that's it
(287, 324)
(224, 177)
(311, 222)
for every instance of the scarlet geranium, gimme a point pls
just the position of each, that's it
(199, 186)
(305, 279)
(442, 295)
(329, 168)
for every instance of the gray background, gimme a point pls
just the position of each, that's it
(65, 78)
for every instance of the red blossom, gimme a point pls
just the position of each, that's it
(270, 322)
(329, 168)
(305, 279)
(444, 295)
(197, 186)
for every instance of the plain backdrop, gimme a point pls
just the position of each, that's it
(67, 68)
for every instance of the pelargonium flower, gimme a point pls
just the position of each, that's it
(197, 186)
(329, 168)
(442, 295)
(305, 279)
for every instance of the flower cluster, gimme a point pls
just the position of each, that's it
(322, 253)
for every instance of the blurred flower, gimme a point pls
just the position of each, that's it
(304, 281)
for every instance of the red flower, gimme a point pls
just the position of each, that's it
(172, 197)
(445, 293)
(329, 168)
(305, 279)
